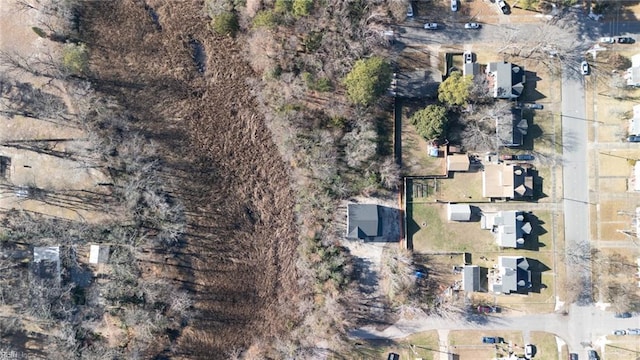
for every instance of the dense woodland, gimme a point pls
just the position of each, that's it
(231, 131)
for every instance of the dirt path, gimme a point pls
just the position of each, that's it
(221, 160)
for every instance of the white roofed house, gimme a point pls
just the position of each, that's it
(510, 227)
(511, 275)
(634, 122)
(633, 73)
(506, 80)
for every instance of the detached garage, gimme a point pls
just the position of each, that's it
(458, 212)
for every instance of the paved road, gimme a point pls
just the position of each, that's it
(579, 327)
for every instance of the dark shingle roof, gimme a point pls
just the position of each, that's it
(362, 221)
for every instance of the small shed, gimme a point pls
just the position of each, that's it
(98, 254)
(458, 162)
(458, 212)
(471, 278)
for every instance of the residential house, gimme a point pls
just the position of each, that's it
(458, 162)
(633, 73)
(506, 80)
(510, 275)
(363, 221)
(634, 122)
(502, 181)
(511, 128)
(458, 212)
(510, 227)
(46, 262)
(98, 254)
(471, 278)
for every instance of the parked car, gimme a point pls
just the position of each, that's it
(410, 10)
(431, 26)
(454, 5)
(468, 57)
(633, 331)
(584, 68)
(623, 315)
(504, 7)
(393, 356)
(492, 340)
(534, 106)
(528, 351)
(485, 309)
(472, 26)
(522, 157)
(619, 332)
(593, 355)
(573, 356)
(633, 138)
(625, 40)
(607, 40)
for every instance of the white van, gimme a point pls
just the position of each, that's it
(454, 5)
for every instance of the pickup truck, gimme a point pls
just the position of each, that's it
(522, 157)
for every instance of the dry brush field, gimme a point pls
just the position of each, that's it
(240, 249)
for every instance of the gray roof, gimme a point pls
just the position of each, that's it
(99, 254)
(459, 212)
(510, 226)
(471, 69)
(471, 278)
(516, 276)
(511, 129)
(633, 76)
(508, 79)
(363, 221)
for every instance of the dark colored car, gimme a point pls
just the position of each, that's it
(623, 315)
(625, 40)
(633, 138)
(484, 309)
(393, 356)
(573, 356)
(492, 340)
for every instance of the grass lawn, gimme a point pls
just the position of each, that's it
(468, 344)
(622, 348)
(429, 231)
(546, 345)
(415, 160)
(422, 345)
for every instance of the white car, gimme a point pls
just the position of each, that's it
(454, 5)
(584, 68)
(468, 57)
(431, 26)
(410, 10)
(607, 40)
(528, 351)
(472, 26)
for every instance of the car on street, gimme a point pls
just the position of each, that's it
(593, 355)
(607, 40)
(573, 356)
(584, 68)
(528, 351)
(504, 7)
(431, 26)
(410, 10)
(492, 340)
(468, 57)
(485, 309)
(534, 106)
(622, 315)
(633, 331)
(625, 40)
(454, 5)
(472, 26)
(633, 138)
(619, 332)
(393, 356)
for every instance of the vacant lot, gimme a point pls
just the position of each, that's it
(239, 256)
(422, 345)
(546, 345)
